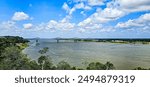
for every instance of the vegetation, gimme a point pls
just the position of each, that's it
(140, 68)
(12, 58)
(111, 40)
(100, 66)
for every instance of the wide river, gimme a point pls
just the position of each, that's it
(123, 56)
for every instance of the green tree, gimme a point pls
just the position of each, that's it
(13, 58)
(44, 50)
(34, 65)
(62, 65)
(109, 66)
(96, 66)
(45, 61)
(140, 68)
(48, 65)
(41, 61)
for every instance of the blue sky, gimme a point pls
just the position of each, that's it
(75, 18)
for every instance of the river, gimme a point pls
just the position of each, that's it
(123, 56)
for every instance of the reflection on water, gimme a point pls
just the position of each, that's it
(123, 56)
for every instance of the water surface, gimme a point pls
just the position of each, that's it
(123, 56)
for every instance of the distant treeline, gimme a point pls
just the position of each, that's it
(12, 58)
(113, 40)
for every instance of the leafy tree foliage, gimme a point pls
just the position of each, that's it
(96, 66)
(100, 66)
(44, 50)
(13, 58)
(45, 63)
(140, 68)
(62, 65)
(109, 66)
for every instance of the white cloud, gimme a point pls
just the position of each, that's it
(77, 1)
(107, 29)
(87, 7)
(8, 25)
(66, 19)
(115, 10)
(85, 22)
(143, 22)
(128, 24)
(131, 5)
(66, 7)
(27, 26)
(91, 2)
(101, 16)
(145, 17)
(81, 30)
(111, 14)
(18, 16)
(88, 25)
(95, 2)
(60, 25)
(79, 5)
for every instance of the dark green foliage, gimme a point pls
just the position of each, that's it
(100, 66)
(74, 68)
(96, 66)
(11, 40)
(41, 59)
(14, 59)
(11, 56)
(8, 41)
(45, 63)
(140, 68)
(63, 66)
(34, 65)
(44, 50)
(109, 66)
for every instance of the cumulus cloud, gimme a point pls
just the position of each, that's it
(81, 30)
(54, 25)
(66, 7)
(91, 2)
(27, 26)
(18, 16)
(131, 5)
(108, 14)
(116, 9)
(95, 2)
(101, 16)
(143, 22)
(8, 25)
(128, 24)
(79, 6)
